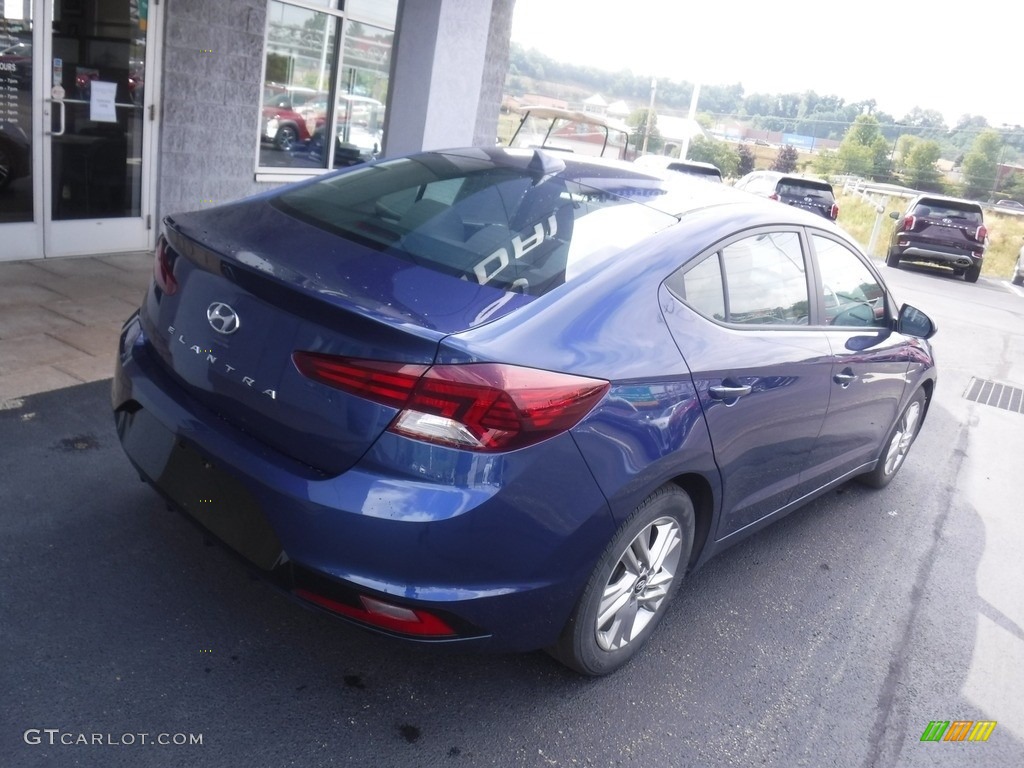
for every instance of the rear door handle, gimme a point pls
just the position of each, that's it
(722, 392)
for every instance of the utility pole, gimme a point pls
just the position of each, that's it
(650, 114)
(692, 116)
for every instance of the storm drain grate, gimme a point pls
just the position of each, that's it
(995, 394)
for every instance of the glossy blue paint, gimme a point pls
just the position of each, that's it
(504, 542)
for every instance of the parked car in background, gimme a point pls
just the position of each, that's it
(814, 195)
(15, 154)
(706, 171)
(282, 125)
(359, 122)
(1012, 205)
(941, 231)
(506, 399)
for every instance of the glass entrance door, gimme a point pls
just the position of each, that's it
(91, 129)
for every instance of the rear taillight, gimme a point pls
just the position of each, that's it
(908, 223)
(477, 406)
(385, 383)
(774, 196)
(834, 212)
(163, 268)
(981, 233)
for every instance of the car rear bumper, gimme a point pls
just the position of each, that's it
(934, 255)
(498, 546)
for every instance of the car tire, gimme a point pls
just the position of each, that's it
(632, 585)
(1018, 274)
(898, 443)
(286, 138)
(892, 259)
(972, 274)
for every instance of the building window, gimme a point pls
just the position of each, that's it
(325, 84)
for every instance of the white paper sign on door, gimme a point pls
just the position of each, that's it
(101, 102)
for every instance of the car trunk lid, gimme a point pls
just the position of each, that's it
(248, 297)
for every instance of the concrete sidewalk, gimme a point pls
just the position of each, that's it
(60, 319)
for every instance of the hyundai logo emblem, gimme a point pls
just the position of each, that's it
(223, 319)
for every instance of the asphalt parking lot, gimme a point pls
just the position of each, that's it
(832, 638)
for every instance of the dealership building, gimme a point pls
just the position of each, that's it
(115, 113)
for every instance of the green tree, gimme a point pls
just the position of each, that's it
(719, 153)
(746, 160)
(827, 163)
(920, 169)
(638, 122)
(864, 150)
(979, 166)
(785, 160)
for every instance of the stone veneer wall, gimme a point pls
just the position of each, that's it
(210, 106)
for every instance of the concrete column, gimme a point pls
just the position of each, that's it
(447, 75)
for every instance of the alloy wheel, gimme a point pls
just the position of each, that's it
(639, 583)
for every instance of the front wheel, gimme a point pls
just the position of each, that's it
(286, 138)
(897, 446)
(632, 585)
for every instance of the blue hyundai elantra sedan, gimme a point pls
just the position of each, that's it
(508, 399)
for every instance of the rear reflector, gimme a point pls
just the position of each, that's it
(377, 613)
(477, 406)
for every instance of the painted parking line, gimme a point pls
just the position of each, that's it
(1010, 286)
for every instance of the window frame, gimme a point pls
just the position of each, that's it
(714, 251)
(816, 318)
(819, 316)
(340, 15)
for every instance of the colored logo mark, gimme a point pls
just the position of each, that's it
(958, 730)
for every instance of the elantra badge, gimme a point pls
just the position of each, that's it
(223, 319)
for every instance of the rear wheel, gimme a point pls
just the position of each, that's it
(892, 259)
(971, 274)
(632, 585)
(1018, 273)
(898, 444)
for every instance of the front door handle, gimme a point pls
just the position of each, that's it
(844, 378)
(723, 392)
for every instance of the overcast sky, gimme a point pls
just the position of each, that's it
(963, 62)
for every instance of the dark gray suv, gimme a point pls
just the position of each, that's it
(943, 231)
(814, 195)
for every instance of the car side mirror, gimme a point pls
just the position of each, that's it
(913, 322)
(894, 215)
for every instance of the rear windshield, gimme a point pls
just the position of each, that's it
(948, 209)
(805, 189)
(712, 174)
(509, 227)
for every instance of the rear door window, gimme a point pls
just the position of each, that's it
(755, 281)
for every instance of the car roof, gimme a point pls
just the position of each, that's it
(945, 199)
